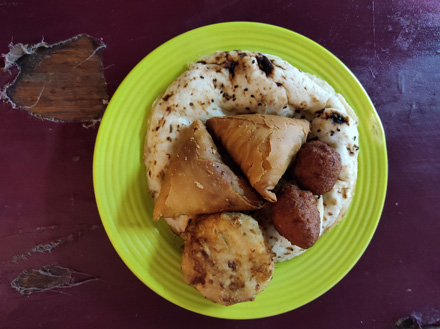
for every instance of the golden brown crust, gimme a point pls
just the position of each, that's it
(225, 257)
(262, 145)
(296, 216)
(198, 182)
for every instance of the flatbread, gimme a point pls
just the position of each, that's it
(245, 82)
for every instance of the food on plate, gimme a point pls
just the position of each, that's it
(227, 83)
(246, 82)
(262, 109)
(317, 167)
(262, 145)
(282, 248)
(225, 257)
(296, 216)
(336, 125)
(199, 182)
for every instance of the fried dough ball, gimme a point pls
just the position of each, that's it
(296, 217)
(226, 258)
(317, 167)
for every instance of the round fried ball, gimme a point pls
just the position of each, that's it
(296, 217)
(317, 167)
(226, 258)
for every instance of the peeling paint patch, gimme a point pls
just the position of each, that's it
(47, 247)
(59, 82)
(419, 321)
(49, 277)
(41, 248)
(92, 123)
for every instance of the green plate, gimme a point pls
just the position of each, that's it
(152, 251)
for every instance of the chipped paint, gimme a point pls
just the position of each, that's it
(54, 82)
(49, 277)
(49, 246)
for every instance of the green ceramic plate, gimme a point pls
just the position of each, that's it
(151, 250)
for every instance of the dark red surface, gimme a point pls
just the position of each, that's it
(393, 47)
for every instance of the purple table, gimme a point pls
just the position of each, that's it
(47, 207)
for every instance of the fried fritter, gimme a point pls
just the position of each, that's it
(317, 167)
(296, 217)
(226, 258)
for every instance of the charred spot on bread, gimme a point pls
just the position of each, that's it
(231, 68)
(264, 64)
(337, 118)
(167, 96)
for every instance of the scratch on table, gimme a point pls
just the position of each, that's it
(102, 46)
(92, 123)
(7, 4)
(34, 230)
(401, 82)
(36, 102)
(374, 29)
(48, 247)
(412, 108)
(49, 277)
(108, 66)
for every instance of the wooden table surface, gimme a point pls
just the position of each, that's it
(48, 215)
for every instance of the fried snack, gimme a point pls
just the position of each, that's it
(198, 182)
(225, 257)
(282, 248)
(296, 216)
(262, 145)
(337, 126)
(317, 167)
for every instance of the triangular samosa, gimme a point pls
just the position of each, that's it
(262, 145)
(199, 182)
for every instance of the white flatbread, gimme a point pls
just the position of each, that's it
(244, 82)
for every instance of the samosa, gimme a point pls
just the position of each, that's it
(199, 182)
(262, 145)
